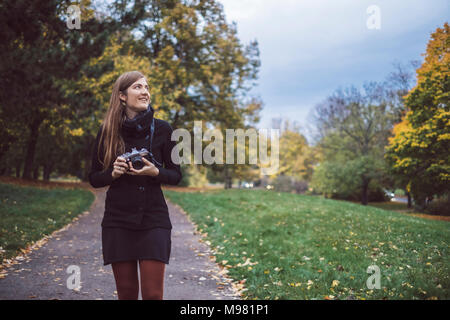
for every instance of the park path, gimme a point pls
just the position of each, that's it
(43, 273)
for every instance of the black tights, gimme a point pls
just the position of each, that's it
(152, 279)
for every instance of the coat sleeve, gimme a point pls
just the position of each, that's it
(98, 177)
(171, 172)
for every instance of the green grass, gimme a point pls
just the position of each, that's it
(27, 214)
(302, 244)
(393, 206)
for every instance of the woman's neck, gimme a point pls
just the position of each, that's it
(130, 114)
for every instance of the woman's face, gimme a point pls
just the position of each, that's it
(137, 98)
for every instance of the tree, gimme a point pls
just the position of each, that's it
(418, 151)
(354, 126)
(398, 83)
(38, 52)
(95, 85)
(196, 66)
(297, 158)
(201, 70)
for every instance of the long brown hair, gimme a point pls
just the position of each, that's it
(113, 144)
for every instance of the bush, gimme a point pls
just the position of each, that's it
(376, 193)
(440, 206)
(300, 186)
(193, 176)
(342, 181)
(284, 183)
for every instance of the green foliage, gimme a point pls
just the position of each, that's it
(439, 206)
(334, 180)
(296, 156)
(200, 68)
(354, 125)
(194, 176)
(284, 183)
(342, 180)
(39, 55)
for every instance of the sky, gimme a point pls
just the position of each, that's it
(308, 49)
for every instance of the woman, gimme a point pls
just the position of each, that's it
(136, 227)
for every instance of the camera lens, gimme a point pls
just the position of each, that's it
(138, 164)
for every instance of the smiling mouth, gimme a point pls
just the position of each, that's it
(144, 100)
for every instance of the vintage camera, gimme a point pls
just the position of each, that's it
(135, 157)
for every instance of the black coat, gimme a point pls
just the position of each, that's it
(137, 202)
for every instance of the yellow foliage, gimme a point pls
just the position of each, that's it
(77, 132)
(445, 136)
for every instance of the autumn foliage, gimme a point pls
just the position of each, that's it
(419, 150)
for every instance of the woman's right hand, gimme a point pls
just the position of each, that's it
(120, 166)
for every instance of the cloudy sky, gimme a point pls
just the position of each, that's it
(310, 48)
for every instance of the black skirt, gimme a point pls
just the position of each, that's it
(121, 244)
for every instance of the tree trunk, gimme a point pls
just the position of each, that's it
(228, 180)
(31, 148)
(409, 200)
(18, 167)
(225, 177)
(88, 159)
(48, 167)
(36, 173)
(365, 191)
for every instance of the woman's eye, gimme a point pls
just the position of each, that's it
(140, 86)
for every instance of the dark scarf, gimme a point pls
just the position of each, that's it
(139, 126)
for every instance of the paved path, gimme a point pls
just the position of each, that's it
(42, 274)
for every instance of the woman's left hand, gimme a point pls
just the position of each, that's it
(149, 169)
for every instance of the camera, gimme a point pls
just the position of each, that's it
(135, 157)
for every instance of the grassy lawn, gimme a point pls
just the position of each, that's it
(403, 208)
(394, 206)
(28, 213)
(288, 246)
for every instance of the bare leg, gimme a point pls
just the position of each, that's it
(127, 282)
(152, 279)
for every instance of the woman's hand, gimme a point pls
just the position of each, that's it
(120, 167)
(149, 169)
